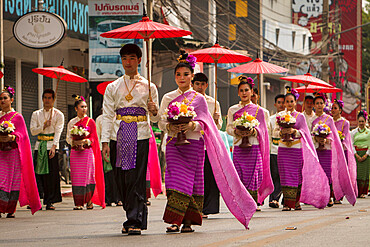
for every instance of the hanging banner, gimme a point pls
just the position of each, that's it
(308, 14)
(105, 15)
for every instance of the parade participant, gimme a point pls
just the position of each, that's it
(184, 171)
(342, 126)
(86, 162)
(361, 142)
(47, 124)
(253, 163)
(298, 161)
(17, 177)
(111, 190)
(274, 144)
(335, 166)
(127, 111)
(211, 203)
(308, 113)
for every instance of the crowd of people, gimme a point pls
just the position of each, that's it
(310, 157)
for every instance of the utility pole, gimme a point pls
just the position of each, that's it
(2, 41)
(325, 39)
(40, 59)
(336, 47)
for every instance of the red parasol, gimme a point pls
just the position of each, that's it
(217, 54)
(318, 89)
(306, 79)
(102, 86)
(1, 74)
(258, 67)
(59, 73)
(146, 29)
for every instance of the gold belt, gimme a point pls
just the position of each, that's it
(130, 119)
(275, 141)
(289, 144)
(45, 138)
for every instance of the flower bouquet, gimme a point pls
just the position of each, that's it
(321, 130)
(6, 128)
(245, 122)
(180, 113)
(78, 133)
(285, 120)
(341, 135)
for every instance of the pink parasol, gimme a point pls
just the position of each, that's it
(318, 89)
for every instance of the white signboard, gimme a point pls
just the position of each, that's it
(115, 7)
(39, 29)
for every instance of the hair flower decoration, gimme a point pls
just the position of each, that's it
(78, 97)
(339, 102)
(9, 89)
(295, 93)
(191, 60)
(247, 79)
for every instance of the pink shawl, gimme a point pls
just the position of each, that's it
(315, 184)
(28, 194)
(99, 193)
(351, 162)
(267, 187)
(238, 200)
(342, 185)
(154, 166)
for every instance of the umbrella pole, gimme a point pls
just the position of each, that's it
(148, 69)
(258, 85)
(56, 90)
(215, 87)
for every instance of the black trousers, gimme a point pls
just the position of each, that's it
(131, 185)
(111, 190)
(49, 184)
(275, 195)
(211, 192)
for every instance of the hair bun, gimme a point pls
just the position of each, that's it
(78, 97)
(186, 58)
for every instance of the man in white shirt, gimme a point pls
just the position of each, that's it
(211, 203)
(308, 111)
(127, 110)
(47, 124)
(274, 144)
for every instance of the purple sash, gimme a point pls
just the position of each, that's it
(342, 185)
(267, 186)
(236, 197)
(127, 138)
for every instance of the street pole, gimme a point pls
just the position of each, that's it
(2, 41)
(336, 48)
(40, 59)
(212, 39)
(261, 88)
(325, 39)
(150, 41)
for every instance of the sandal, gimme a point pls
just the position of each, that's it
(134, 231)
(286, 208)
(274, 204)
(78, 208)
(363, 196)
(89, 205)
(258, 209)
(186, 229)
(10, 216)
(337, 202)
(119, 203)
(124, 230)
(173, 228)
(331, 203)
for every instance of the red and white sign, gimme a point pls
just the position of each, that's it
(115, 7)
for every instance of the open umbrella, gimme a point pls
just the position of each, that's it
(306, 79)
(1, 74)
(318, 89)
(258, 67)
(102, 86)
(146, 29)
(217, 54)
(59, 73)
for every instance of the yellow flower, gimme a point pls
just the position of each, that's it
(9, 124)
(184, 108)
(250, 118)
(287, 118)
(325, 126)
(339, 132)
(329, 129)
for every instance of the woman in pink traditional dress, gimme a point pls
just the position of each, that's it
(342, 126)
(17, 177)
(331, 157)
(86, 163)
(184, 172)
(253, 163)
(299, 168)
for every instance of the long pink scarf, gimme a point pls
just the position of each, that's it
(28, 194)
(236, 197)
(267, 187)
(154, 166)
(342, 185)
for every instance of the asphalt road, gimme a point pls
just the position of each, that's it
(341, 225)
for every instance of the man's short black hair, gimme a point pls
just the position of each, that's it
(279, 96)
(308, 97)
(130, 49)
(200, 77)
(255, 90)
(49, 90)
